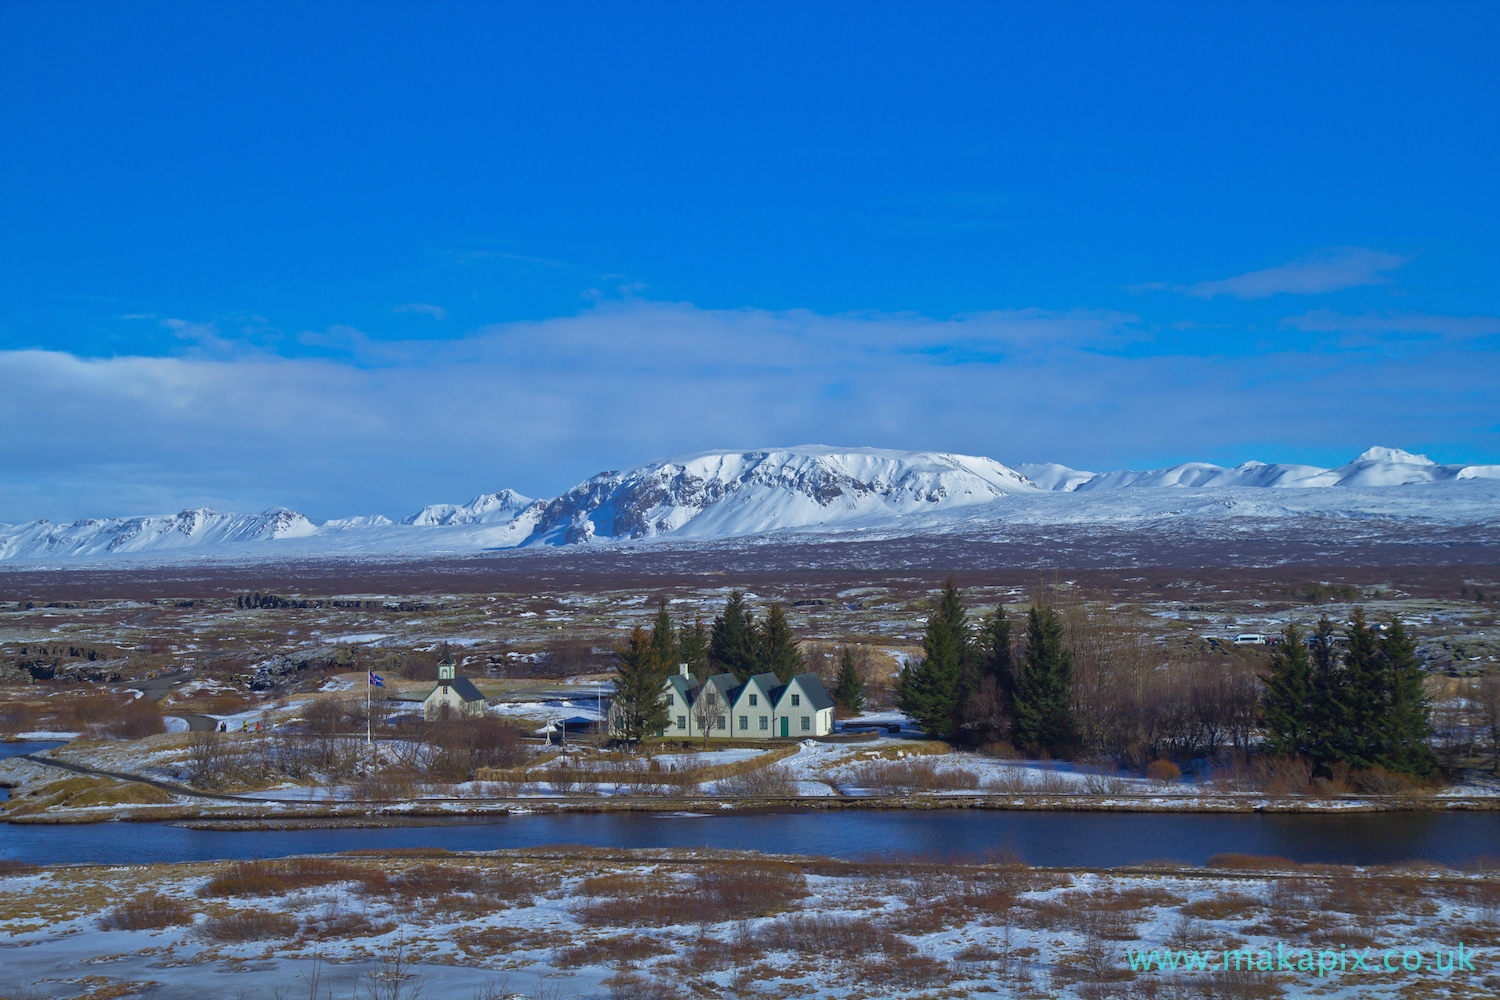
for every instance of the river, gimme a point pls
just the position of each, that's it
(1039, 838)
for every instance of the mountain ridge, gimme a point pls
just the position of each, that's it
(776, 492)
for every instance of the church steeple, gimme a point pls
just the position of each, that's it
(446, 666)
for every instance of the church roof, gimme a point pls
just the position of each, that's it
(462, 687)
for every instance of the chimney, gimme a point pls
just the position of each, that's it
(682, 670)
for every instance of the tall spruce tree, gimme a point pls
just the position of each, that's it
(692, 647)
(848, 690)
(1325, 709)
(664, 637)
(997, 652)
(639, 710)
(986, 680)
(1289, 696)
(1363, 699)
(929, 692)
(732, 643)
(776, 647)
(1407, 718)
(1044, 721)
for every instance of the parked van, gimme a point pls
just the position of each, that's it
(1250, 639)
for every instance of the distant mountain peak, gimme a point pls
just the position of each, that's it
(1395, 455)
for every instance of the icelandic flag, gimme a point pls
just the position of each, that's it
(375, 679)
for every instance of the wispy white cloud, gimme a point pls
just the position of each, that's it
(1329, 271)
(387, 427)
(436, 312)
(1328, 321)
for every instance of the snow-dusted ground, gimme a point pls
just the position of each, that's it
(537, 920)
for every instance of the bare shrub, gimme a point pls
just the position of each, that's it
(460, 887)
(1023, 780)
(1105, 784)
(1228, 906)
(146, 913)
(394, 976)
(390, 784)
(109, 714)
(906, 972)
(895, 777)
(730, 891)
(461, 746)
(274, 878)
(341, 925)
(617, 950)
(207, 761)
(771, 781)
(1283, 775)
(630, 986)
(1378, 781)
(843, 937)
(1132, 706)
(1163, 772)
(248, 925)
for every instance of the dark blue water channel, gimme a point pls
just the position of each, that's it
(1039, 838)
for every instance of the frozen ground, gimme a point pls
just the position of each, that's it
(605, 922)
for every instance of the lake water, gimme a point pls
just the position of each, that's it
(1039, 838)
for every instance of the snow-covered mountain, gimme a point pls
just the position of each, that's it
(719, 494)
(803, 492)
(487, 508)
(1376, 467)
(198, 529)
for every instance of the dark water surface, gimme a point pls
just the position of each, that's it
(27, 746)
(1040, 838)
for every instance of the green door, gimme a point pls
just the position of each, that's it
(786, 726)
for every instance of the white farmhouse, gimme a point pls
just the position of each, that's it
(454, 697)
(761, 708)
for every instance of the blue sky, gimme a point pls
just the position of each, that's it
(360, 258)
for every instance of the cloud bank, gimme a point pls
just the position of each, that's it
(384, 427)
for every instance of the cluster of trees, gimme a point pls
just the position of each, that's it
(1365, 708)
(734, 643)
(972, 687)
(1071, 684)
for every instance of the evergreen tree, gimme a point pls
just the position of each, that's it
(664, 638)
(639, 710)
(1325, 709)
(1044, 720)
(997, 656)
(929, 693)
(1368, 708)
(732, 643)
(776, 647)
(1407, 717)
(848, 690)
(1363, 697)
(1289, 696)
(692, 647)
(987, 680)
